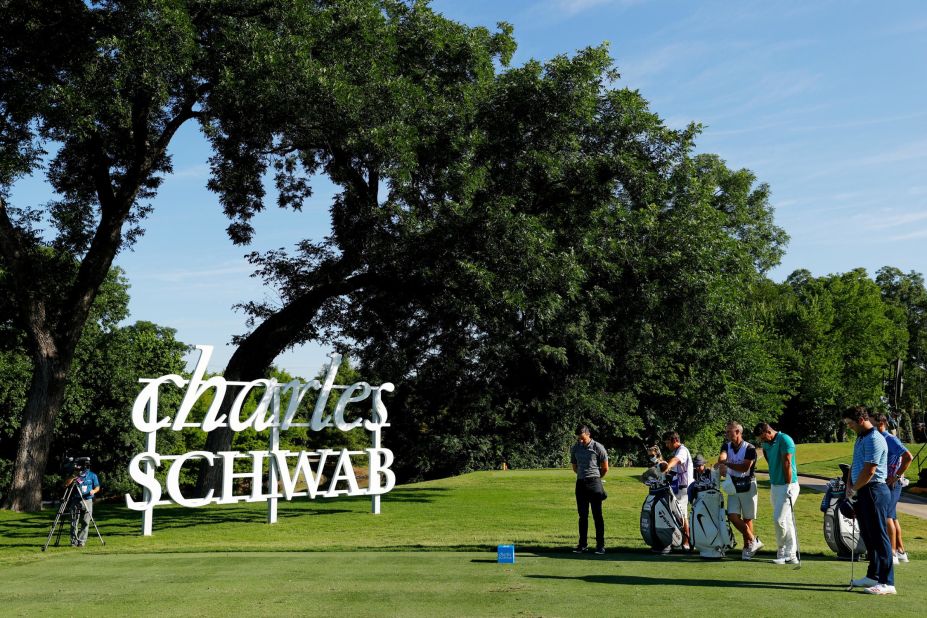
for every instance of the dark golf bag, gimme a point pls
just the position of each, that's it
(839, 531)
(661, 520)
(708, 525)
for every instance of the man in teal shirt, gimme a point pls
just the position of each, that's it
(779, 450)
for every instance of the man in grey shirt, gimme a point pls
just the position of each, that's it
(590, 463)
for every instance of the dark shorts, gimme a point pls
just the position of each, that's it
(896, 496)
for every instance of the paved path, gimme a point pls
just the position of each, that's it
(909, 505)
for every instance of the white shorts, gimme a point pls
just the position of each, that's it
(682, 502)
(743, 504)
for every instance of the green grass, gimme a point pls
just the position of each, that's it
(430, 553)
(823, 459)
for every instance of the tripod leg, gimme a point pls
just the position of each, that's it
(93, 521)
(61, 508)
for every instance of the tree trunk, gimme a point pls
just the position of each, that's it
(256, 353)
(46, 394)
(905, 427)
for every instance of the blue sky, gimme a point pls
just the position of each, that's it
(826, 101)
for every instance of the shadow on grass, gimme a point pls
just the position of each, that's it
(639, 580)
(116, 520)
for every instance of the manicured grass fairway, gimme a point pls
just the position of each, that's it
(431, 552)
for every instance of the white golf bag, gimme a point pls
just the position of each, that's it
(708, 525)
(661, 520)
(841, 533)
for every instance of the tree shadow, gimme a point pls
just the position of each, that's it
(640, 580)
(417, 494)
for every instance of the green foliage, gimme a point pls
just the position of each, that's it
(599, 273)
(95, 417)
(837, 336)
(906, 296)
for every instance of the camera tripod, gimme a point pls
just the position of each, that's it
(68, 503)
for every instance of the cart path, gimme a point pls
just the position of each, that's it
(909, 505)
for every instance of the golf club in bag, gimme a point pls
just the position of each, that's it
(839, 528)
(711, 532)
(661, 521)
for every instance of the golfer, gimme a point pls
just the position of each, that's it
(899, 458)
(779, 450)
(590, 463)
(873, 500)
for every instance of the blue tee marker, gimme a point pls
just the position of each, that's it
(506, 554)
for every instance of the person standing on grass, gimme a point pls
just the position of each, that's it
(590, 463)
(899, 458)
(738, 459)
(873, 499)
(86, 485)
(779, 450)
(680, 462)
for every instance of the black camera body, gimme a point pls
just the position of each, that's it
(75, 465)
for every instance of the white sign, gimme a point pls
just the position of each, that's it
(273, 473)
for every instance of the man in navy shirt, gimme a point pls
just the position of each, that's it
(873, 500)
(899, 458)
(86, 485)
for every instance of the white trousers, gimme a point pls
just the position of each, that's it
(786, 536)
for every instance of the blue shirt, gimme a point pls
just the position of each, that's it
(774, 451)
(870, 448)
(87, 482)
(895, 450)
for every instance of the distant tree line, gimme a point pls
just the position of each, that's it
(518, 248)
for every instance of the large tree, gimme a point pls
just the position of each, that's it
(543, 249)
(906, 293)
(839, 337)
(379, 97)
(91, 95)
(102, 384)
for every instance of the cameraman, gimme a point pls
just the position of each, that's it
(86, 485)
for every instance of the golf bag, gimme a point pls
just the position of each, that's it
(708, 525)
(661, 520)
(839, 529)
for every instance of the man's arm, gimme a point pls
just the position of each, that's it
(603, 469)
(743, 466)
(787, 466)
(906, 459)
(865, 475)
(575, 468)
(722, 461)
(666, 465)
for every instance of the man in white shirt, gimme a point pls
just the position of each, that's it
(680, 462)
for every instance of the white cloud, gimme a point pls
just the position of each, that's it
(905, 152)
(888, 219)
(574, 7)
(193, 171)
(202, 275)
(911, 235)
